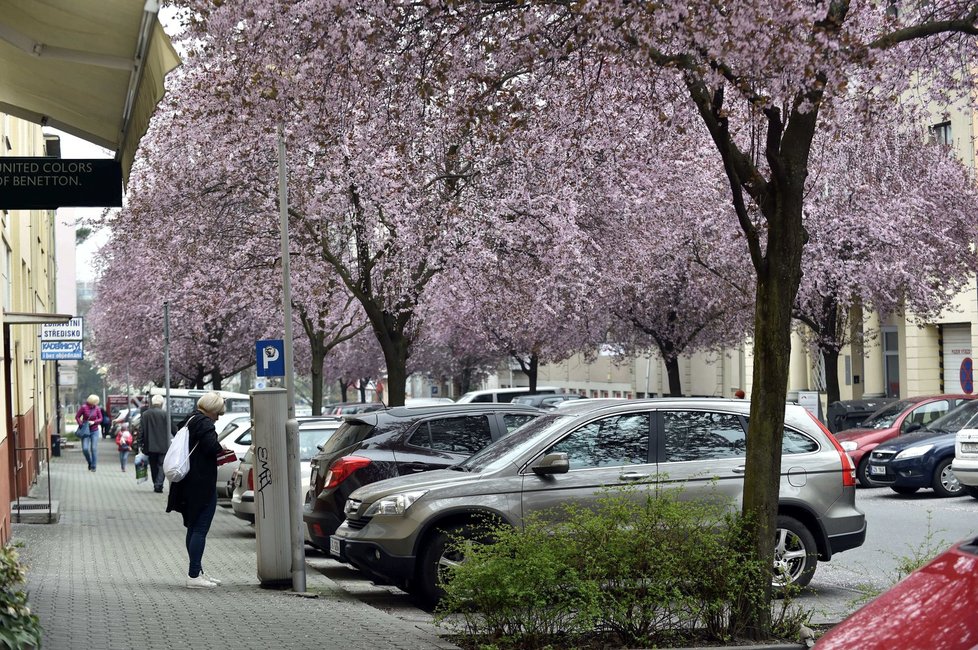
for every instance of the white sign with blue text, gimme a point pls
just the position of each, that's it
(62, 351)
(70, 331)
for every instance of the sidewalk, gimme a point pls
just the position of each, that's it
(110, 575)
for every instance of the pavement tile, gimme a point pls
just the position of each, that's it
(111, 574)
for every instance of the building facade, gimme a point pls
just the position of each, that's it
(27, 291)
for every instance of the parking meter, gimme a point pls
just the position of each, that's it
(269, 412)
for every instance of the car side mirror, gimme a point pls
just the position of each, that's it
(552, 464)
(916, 426)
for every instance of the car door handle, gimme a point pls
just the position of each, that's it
(739, 469)
(414, 468)
(633, 476)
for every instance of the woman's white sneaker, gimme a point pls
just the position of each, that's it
(200, 582)
(207, 576)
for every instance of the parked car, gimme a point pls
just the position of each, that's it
(314, 431)
(923, 459)
(348, 408)
(501, 394)
(546, 401)
(933, 607)
(236, 436)
(892, 420)
(184, 400)
(397, 530)
(374, 446)
(965, 464)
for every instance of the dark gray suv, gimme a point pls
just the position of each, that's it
(397, 530)
(399, 441)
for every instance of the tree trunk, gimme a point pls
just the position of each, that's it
(342, 390)
(830, 358)
(675, 381)
(316, 369)
(532, 371)
(778, 279)
(217, 379)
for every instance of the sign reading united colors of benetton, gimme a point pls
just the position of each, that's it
(49, 183)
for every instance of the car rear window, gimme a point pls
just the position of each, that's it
(886, 416)
(311, 438)
(514, 421)
(464, 435)
(350, 433)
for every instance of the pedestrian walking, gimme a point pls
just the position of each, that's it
(195, 497)
(124, 442)
(154, 439)
(89, 418)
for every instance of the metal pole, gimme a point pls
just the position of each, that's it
(292, 426)
(166, 364)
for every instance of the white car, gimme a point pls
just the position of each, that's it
(965, 464)
(313, 433)
(236, 436)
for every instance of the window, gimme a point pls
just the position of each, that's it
(941, 133)
(609, 442)
(465, 435)
(514, 421)
(793, 442)
(701, 435)
(891, 361)
(926, 413)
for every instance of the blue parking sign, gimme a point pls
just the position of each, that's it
(270, 358)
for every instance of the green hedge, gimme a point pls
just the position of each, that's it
(644, 568)
(19, 628)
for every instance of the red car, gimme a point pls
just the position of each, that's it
(933, 607)
(892, 420)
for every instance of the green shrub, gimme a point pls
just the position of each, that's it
(18, 627)
(646, 568)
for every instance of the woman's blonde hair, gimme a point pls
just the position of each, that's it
(211, 403)
(93, 400)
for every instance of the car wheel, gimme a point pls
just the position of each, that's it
(795, 553)
(437, 560)
(903, 489)
(945, 483)
(862, 473)
(971, 490)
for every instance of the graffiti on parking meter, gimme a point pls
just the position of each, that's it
(264, 474)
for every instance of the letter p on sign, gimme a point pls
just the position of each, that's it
(270, 358)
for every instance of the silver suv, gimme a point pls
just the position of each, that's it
(397, 530)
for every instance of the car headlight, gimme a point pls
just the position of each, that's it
(850, 445)
(395, 504)
(913, 452)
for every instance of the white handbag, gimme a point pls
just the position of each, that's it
(176, 463)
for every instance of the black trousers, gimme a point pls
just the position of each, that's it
(156, 469)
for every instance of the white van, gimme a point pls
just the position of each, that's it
(184, 400)
(501, 394)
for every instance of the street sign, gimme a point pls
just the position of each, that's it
(270, 357)
(966, 376)
(70, 331)
(61, 351)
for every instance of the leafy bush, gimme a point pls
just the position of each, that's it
(646, 568)
(18, 627)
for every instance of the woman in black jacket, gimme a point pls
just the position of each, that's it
(195, 497)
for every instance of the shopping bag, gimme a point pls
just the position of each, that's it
(142, 467)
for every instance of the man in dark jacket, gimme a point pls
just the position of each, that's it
(154, 438)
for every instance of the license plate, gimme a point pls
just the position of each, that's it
(877, 469)
(969, 447)
(334, 547)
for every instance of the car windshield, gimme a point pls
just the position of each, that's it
(886, 416)
(956, 419)
(505, 450)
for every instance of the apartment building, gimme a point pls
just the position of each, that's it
(27, 292)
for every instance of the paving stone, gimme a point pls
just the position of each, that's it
(110, 574)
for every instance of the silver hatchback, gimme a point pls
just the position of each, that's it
(398, 530)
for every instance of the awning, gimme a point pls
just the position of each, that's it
(92, 68)
(33, 318)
